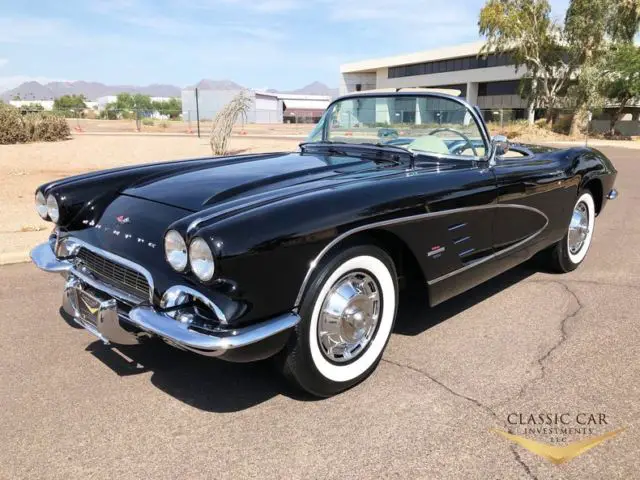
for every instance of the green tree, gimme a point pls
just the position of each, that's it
(171, 107)
(137, 104)
(592, 27)
(621, 82)
(31, 108)
(70, 102)
(525, 30)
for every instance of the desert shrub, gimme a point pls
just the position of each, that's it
(12, 128)
(562, 123)
(45, 127)
(148, 122)
(164, 124)
(32, 127)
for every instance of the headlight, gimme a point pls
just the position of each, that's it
(41, 205)
(52, 208)
(201, 259)
(175, 250)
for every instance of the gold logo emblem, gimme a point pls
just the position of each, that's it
(556, 454)
(92, 310)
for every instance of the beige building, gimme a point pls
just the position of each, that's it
(490, 82)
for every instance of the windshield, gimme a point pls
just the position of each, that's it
(420, 123)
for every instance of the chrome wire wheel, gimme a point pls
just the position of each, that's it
(349, 317)
(578, 228)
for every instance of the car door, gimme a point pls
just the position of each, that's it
(534, 192)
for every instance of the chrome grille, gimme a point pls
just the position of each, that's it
(123, 278)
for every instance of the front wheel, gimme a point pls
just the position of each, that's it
(570, 251)
(347, 316)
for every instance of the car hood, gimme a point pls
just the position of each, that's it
(199, 188)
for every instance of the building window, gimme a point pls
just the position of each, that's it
(451, 65)
(509, 87)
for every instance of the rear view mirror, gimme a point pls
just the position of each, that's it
(500, 145)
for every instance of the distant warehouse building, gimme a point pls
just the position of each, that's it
(490, 82)
(266, 107)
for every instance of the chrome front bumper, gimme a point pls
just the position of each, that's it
(108, 328)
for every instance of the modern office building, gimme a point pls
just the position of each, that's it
(490, 82)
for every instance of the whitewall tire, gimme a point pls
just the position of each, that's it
(348, 313)
(567, 254)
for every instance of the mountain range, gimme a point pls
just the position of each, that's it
(93, 90)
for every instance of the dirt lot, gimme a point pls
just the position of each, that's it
(525, 342)
(24, 167)
(183, 127)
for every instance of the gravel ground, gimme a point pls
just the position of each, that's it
(524, 342)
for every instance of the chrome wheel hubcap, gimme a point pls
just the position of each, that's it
(579, 227)
(349, 316)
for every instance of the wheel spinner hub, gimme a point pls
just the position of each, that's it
(349, 316)
(578, 228)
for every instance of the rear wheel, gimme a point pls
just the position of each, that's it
(571, 250)
(347, 315)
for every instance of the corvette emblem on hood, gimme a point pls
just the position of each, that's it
(123, 219)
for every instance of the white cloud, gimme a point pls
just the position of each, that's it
(3, 62)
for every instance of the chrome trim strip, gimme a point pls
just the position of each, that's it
(492, 256)
(200, 296)
(178, 333)
(460, 240)
(466, 252)
(457, 226)
(410, 218)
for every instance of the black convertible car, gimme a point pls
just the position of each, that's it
(300, 255)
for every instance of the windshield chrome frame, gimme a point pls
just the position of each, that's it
(484, 132)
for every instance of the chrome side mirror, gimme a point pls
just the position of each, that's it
(500, 145)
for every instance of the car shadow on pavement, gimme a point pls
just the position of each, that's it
(217, 386)
(415, 316)
(205, 383)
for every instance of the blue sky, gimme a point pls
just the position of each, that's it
(258, 43)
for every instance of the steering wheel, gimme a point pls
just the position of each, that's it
(466, 139)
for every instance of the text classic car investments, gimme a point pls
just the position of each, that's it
(299, 256)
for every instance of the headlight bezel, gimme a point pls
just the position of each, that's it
(41, 205)
(53, 208)
(175, 236)
(199, 252)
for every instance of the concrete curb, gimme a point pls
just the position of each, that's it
(14, 257)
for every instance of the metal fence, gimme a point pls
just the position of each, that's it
(510, 122)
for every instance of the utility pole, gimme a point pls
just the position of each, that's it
(197, 112)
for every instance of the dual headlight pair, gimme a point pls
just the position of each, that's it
(47, 207)
(198, 256)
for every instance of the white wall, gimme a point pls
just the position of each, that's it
(46, 104)
(348, 82)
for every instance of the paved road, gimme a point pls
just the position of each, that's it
(525, 342)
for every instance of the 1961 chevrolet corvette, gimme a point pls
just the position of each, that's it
(300, 255)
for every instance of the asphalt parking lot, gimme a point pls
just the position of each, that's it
(525, 342)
